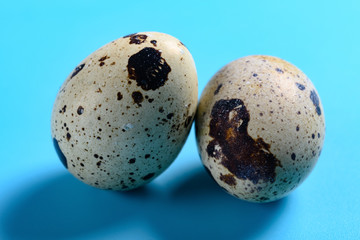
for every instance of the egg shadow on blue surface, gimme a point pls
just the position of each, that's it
(61, 207)
(205, 211)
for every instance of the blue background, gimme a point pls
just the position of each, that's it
(42, 41)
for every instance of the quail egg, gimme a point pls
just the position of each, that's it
(260, 128)
(123, 114)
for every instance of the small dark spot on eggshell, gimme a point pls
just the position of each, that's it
(264, 198)
(153, 42)
(188, 121)
(316, 101)
(60, 153)
(68, 136)
(137, 97)
(132, 160)
(169, 116)
(103, 58)
(119, 96)
(279, 70)
(293, 156)
(300, 86)
(218, 89)
(228, 179)
(148, 176)
(182, 44)
(77, 70)
(63, 109)
(80, 110)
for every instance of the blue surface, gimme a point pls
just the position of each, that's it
(42, 42)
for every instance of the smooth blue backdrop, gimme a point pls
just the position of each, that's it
(42, 41)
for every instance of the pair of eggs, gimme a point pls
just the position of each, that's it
(124, 113)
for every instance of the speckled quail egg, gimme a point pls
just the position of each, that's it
(123, 114)
(260, 128)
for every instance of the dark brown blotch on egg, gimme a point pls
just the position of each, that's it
(148, 69)
(243, 156)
